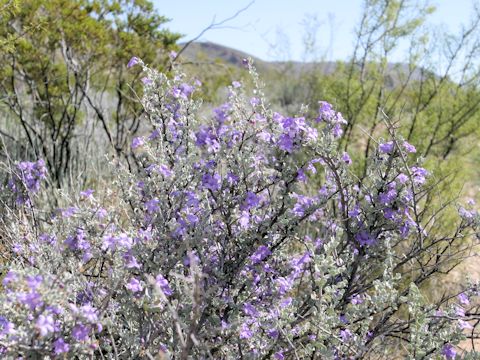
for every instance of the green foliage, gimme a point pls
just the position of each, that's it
(67, 57)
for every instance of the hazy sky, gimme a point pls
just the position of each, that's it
(273, 29)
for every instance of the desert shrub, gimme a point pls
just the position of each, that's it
(221, 246)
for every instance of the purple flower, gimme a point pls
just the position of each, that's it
(68, 212)
(279, 355)
(130, 261)
(251, 200)
(284, 284)
(325, 111)
(245, 332)
(409, 148)
(346, 158)
(32, 299)
(232, 179)
(212, 182)
(285, 143)
(183, 90)
(419, 175)
(60, 347)
(80, 332)
(402, 178)
(259, 255)
(134, 285)
(386, 147)
(137, 142)
(87, 194)
(162, 283)
(44, 324)
(244, 219)
(250, 310)
(463, 298)
(152, 206)
(9, 277)
(133, 61)
(356, 299)
(236, 84)
(464, 324)
(449, 352)
(89, 313)
(254, 101)
(345, 335)
(34, 282)
(459, 311)
(364, 238)
(6, 327)
(146, 80)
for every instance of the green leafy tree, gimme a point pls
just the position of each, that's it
(67, 79)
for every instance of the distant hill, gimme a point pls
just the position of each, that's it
(208, 52)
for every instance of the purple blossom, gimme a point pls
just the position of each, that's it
(387, 147)
(130, 261)
(184, 90)
(460, 311)
(134, 285)
(6, 327)
(27, 179)
(250, 310)
(9, 278)
(252, 200)
(222, 113)
(89, 313)
(212, 182)
(261, 254)
(133, 61)
(87, 194)
(254, 101)
(356, 299)
(137, 142)
(244, 219)
(463, 299)
(162, 283)
(152, 206)
(325, 111)
(285, 143)
(80, 332)
(44, 324)
(346, 335)
(273, 333)
(32, 299)
(245, 332)
(419, 174)
(232, 179)
(284, 284)
(464, 324)
(146, 80)
(60, 347)
(364, 238)
(68, 212)
(236, 84)
(409, 148)
(346, 158)
(402, 178)
(449, 352)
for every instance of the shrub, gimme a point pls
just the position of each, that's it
(220, 246)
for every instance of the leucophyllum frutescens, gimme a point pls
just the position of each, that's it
(242, 233)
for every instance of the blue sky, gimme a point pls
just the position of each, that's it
(274, 29)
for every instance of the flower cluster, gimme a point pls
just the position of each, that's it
(244, 233)
(26, 179)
